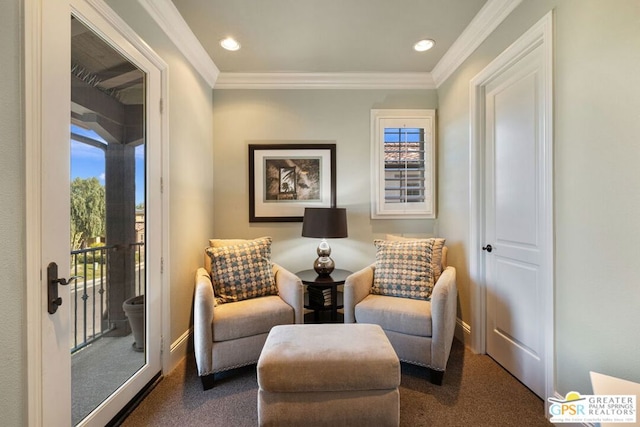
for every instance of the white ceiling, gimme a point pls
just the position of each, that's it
(327, 36)
(327, 44)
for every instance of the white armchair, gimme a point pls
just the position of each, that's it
(421, 331)
(232, 334)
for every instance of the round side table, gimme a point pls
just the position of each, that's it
(323, 291)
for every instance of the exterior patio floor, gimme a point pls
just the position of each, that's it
(100, 369)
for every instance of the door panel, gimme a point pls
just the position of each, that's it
(515, 156)
(55, 92)
(513, 214)
(516, 298)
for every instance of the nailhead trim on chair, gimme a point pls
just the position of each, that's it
(235, 367)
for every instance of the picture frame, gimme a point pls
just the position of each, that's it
(284, 179)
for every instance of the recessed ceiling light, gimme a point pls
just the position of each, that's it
(423, 45)
(230, 44)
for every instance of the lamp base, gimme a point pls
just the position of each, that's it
(324, 265)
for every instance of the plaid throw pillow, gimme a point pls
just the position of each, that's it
(242, 271)
(404, 269)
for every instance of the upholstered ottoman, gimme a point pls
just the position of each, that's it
(328, 374)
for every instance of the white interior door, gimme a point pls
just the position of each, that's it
(52, 82)
(514, 265)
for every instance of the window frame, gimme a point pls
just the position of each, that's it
(409, 118)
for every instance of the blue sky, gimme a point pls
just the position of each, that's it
(88, 161)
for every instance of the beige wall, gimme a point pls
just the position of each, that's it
(12, 221)
(241, 117)
(190, 183)
(597, 183)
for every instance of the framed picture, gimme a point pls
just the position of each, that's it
(286, 178)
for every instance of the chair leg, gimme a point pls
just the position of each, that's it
(207, 382)
(435, 377)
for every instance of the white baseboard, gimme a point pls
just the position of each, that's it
(463, 332)
(177, 351)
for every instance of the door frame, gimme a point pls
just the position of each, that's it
(540, 35)
(33, 134)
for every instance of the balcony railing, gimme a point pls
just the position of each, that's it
(90, 293)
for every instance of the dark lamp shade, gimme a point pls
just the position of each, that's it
(324, 223)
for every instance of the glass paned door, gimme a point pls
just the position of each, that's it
(108, 169)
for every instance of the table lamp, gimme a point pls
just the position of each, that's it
(324, 223)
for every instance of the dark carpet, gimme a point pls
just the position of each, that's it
(476, 392)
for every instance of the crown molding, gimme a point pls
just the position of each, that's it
(171, 22)
(325, 81)
(483, 24)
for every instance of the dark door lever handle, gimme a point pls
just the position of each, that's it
(64, 282)
(487, 248)
(52, 287)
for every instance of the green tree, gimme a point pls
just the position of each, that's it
(87, 211)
